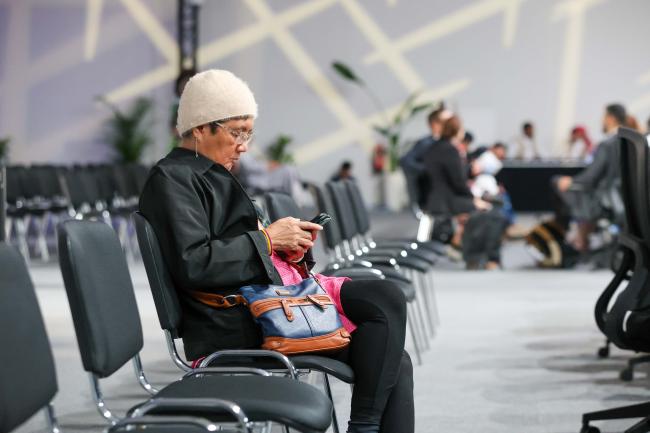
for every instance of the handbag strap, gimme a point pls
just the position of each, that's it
(218, 301)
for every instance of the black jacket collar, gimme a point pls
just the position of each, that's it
(198, 163)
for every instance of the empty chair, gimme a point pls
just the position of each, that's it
(624, 321)
(25, 347)
(414, 267)
(427, 251)
(108, 331)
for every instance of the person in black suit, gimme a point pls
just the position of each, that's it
(412, 162)
(479, 227)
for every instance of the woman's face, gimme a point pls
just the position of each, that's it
(227, 143)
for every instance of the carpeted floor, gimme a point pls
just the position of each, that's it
(515, 352)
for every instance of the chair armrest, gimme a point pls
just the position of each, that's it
(252, 353)
(125, 424)
(226, 370)
(174, 404)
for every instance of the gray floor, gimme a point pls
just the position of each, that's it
(515, 352)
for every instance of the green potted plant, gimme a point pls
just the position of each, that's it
(128, 131)
(391, 127)
(4, 149)
(277, 151)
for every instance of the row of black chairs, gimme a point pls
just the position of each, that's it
(108, 328)
(38, 196)
(623, 309)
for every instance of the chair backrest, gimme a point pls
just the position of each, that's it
(332, 231)
(27, 376)
(344, 212)
(634, 182)
(359, 208)
(100, 293)
(281, 205)
(15, 190)
(164, 294)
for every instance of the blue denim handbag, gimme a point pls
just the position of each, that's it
(299, 318)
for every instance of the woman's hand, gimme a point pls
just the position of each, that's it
(481, 204)
(291, 234)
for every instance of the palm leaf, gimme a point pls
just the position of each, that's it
(128, 131)
(346, 72)
(4, 147)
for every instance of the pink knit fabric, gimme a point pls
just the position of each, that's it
(332, 286)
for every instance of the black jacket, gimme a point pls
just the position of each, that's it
(447, 177)
(604, 169)
(208, 233)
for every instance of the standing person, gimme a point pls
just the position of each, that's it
(525, 146)
(412, 162)
(214, 242)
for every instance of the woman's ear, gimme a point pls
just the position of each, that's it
(197, 133)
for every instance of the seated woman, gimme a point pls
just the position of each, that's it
(478, 233)
(213, 242)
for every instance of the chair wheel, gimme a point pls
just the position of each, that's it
(589, 429)
(626, 375)
(603, 352)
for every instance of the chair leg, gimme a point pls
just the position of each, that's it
(434, 301)
(7, 228)
(417, 310)
(21, 236)
(633, 411)
(41, 233)
(642, 426)
(328, 391)
(426, 292)
(416, 346)
(50, 419)
(418, 307)
(627, 374)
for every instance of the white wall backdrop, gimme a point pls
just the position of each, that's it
(499, 62)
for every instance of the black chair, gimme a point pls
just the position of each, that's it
(625, 321)
(25, 347)
(170, 317)
(414, 267)
(169, 313)
(427, 251)
(16, 208)
(109, 334)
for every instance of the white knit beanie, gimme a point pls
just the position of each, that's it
(213, 95)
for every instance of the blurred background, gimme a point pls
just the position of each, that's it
(555, 63)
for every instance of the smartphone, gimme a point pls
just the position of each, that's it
(321, 219)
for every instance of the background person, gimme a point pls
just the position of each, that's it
(525, 146)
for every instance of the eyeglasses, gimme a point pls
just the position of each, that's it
(241, 137)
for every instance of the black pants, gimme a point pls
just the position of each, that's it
(383, 387)
(482, 236)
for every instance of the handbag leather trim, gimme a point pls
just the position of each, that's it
(265, 305)
(218, 301)
(331, 342)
